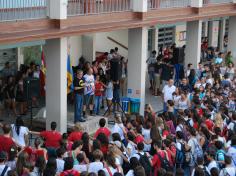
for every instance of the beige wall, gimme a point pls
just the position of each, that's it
(104, 45)
(75, 44)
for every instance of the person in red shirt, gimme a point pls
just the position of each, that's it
(99, 88)
(52, 138)
(76, 134)
(6, 139)
(101, 58)
(102, 129)
(68, 168)
(156, 162)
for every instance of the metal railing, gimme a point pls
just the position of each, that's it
(216, 1)
(89, 7)
(11, 10)
(157, 4)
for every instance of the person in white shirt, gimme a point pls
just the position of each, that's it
(168, 91)
(82, 165)
(20, 132)
(211, 158)
(3, 168)
(60, 162)
(229, 170)
(232, 150)
(118, 127)
(111, 167)
(97, 164)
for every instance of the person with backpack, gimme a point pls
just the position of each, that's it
(228, 170)
(200, 164)
(210, 157)
(3, 167)
(111, 166)
(220, 153)
(68, 168)
(183, 153)
(160, 159)
(232, 150)
(143, 158)
(196, 148)
(232, 124)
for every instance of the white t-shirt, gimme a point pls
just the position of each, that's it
(167, 92)
(117, 128)
(130, 173)
(60, 165)
(2, 166)
(112, 170)
(212, 164)
(231, 171)
(20, 139)
(95, 167)
(80, 167)
(232, 152)
(89, 84)
(131, 147)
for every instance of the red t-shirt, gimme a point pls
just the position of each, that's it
(104, 130)
(209, 124)
(52, 138)
(156, 162)
(6, 143)
(72, 172)
(75, 136)
(98, 87)
(139, 139)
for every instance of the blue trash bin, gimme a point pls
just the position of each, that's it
(125, 104)
(135, 105)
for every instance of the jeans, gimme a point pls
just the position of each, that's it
(78, 107)
(98, 101)
(165, 107)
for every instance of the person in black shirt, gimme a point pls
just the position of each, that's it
(79, 92)
(184, 86)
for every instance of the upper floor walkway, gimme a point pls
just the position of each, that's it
(83, 16)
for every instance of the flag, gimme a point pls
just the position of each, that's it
(42, 75)
(70, 86)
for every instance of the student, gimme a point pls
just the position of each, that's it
(68, 168)
(102, 129)
(3, 167)
(97, 164)
(79, 93)
(98, 94)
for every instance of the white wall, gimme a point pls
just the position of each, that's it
(75, 43)
(104, 45)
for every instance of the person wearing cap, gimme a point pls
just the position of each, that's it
(3, 167)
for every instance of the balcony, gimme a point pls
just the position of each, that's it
(216, 1)
(92, 7)
(159, 4)
(12, 10)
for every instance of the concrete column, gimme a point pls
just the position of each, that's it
(139, 6)
(56, 83)
(232, 36)
(221, 34)
(213, 32)
(193, 43)
(20, 57)
(137, 54)
(88, 47)
(57, 9)
(155, 39)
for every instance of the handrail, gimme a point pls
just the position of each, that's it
(118, 43)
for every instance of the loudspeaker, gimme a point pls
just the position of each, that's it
(178, 56)
(31, 88)
(115, 69)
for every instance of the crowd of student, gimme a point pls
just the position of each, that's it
(195, 135)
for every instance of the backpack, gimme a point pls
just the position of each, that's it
(4, 171)
(144, 161)
(184, 132)
(165, 164)
(219, 152)
(198, 152)
(205, 170)
(182, 156)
